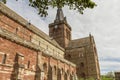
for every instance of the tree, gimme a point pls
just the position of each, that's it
(103, 77)
(43, 5)
(110, 75)
(90, 78)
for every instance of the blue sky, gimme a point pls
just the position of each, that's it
(103, 22)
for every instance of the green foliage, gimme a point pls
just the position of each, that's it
(79, 5)
(102, 78)
(106, 78)
(43, 5)
(4, 1)
(110, 75)
(81, 79)
(87, 78)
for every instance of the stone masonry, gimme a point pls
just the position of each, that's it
(117, 75)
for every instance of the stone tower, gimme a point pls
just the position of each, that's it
(60, 29)
(83, 53)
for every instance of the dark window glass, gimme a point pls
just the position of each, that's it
(28, 64)
(4, 59)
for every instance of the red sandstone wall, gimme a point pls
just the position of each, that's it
(14, 27)
(11, 49)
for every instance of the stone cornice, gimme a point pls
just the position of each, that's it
(7, 65)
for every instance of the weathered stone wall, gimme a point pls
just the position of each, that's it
(117, 75)
(47, 47)
(28, 73)
(57, 69)
(83, 53)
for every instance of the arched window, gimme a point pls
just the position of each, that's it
(4, 59)
(65, 76)
(71, 77)
(78, 68)
(81, 55)
(28, 65)
(82, 64)
(50, 73)
(83, 75)
(16, 30)
(62, 71)
(59, 74)
(69, 56)
(95, 50)
(67, 34)
(30, 37)
(55, 70)
(68, 72)
(45, 68)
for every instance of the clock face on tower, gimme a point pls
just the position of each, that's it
(56, 26)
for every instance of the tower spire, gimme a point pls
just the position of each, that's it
(59, 15)
(60, 29)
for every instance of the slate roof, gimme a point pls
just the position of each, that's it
(79, 42)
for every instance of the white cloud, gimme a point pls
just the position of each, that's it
(107, 66)
(102, 22)
(22, 8)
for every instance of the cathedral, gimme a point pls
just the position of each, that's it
(27, 53)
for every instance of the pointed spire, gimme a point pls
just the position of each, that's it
(59, 15)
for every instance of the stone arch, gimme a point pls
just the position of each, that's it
(68, 72)
(45, 68)
(59, 74)
(81, 64)
(50, 73)
(44, 75)
(62, 71)
(38, 73)
(72, 73)
(65, 76)
(55, 70)
(71, 77)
